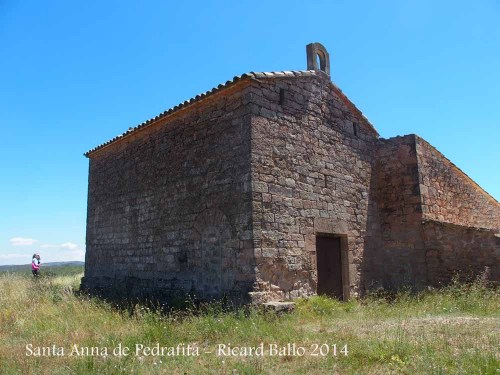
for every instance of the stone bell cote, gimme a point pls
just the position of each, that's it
(318, 58)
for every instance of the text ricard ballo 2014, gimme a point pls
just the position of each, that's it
(221, 350)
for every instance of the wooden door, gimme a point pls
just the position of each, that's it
(329, 263)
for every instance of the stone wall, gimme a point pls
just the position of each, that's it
(449, 195)
(401, 260)
(312, 159)
(227, 196)
(169, 207)
(418, 192)
(454, 250)
(460, 220)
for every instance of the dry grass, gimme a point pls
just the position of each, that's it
(452, 331)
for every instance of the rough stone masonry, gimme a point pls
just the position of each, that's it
(274, 186)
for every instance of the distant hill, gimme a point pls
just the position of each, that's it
(45, 266)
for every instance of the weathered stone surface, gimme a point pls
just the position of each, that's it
(454, 250)
(432, 216)
(449, 195)
(228, 195)
(169, 208)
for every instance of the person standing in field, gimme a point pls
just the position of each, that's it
(35, 265)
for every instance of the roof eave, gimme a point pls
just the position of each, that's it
(246, 76)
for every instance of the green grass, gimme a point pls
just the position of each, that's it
(455, 330)
(62, 270)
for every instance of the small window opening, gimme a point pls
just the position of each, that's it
(282, 96)
(355, 129)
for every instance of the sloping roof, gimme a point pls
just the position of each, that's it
(223, 86)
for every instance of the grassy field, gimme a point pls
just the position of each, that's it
(59, 270)
(453, 331)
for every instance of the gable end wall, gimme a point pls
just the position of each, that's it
(169, 207)
(311, 175)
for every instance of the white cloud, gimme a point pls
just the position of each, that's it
(65, 252)
(64, 256)
(21, 241)
(15, 258)
(69, 246)
(66, 245)
(50, 252)
(49, 256)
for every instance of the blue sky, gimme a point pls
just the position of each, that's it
(75, 74)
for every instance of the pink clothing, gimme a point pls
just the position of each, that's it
(35, 264)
